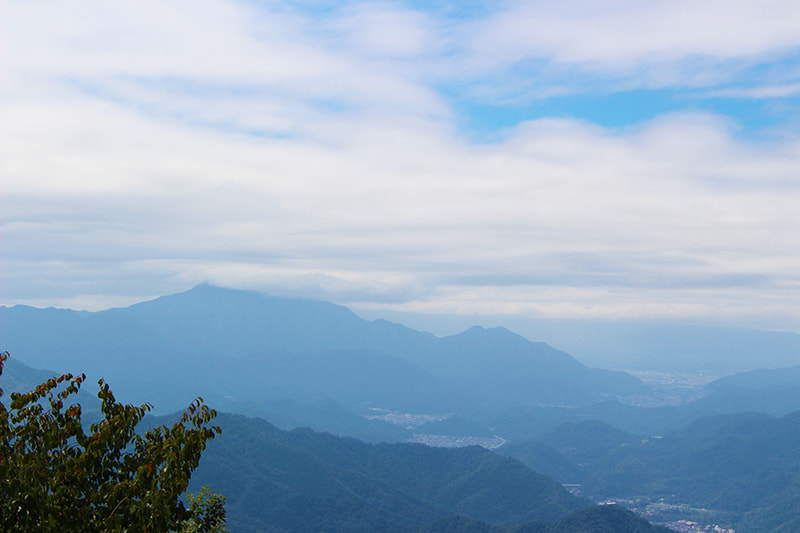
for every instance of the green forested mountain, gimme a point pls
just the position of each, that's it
(733, 463)
(589, 441)
(744, 466)
(306, 481)
(301, 480)
(598, 519)
(595, 519)
(540, 457)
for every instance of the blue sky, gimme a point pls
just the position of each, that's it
(753, 118)
(621, 159)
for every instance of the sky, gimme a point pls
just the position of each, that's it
(562, 159)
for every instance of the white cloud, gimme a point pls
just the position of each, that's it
(149, 146)
(625, 33)
(676, 204)
(384, 31)
(758, 93)
(181, 56)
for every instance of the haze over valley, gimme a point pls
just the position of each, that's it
(302, 363)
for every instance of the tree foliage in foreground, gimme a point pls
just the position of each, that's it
(56, 477)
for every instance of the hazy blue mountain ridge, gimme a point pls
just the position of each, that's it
(643, 344)
(241, 322)
(307, 481)
(233, 323)
(760, 379)
(322, 415)
(521, 423)
(682, 347)
(18, 377)
(250, 346)
(517, 369)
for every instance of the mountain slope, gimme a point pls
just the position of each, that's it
(603, 519)
(744, 466)
(498, 365)
(306, 481)
(760, 379)
(213, 336)
(596, 519)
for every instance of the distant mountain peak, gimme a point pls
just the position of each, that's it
(478, 336)
(487, 366)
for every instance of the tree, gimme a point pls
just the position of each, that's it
(56, 477)
(207, 513)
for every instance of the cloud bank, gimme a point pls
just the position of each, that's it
(317, 149)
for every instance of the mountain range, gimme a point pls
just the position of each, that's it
(304, 481)
(742, 468)
(241, 346)
(299, 362)
(280, 481)
(670, 345)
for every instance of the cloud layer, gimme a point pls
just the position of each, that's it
(316, 150)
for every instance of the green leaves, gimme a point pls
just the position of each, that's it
(56, 477)
(208, 513)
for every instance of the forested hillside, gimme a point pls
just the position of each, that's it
(280, 481)
(743, 468)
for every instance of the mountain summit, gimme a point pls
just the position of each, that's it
(251, 345)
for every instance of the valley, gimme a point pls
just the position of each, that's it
(359, 420)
